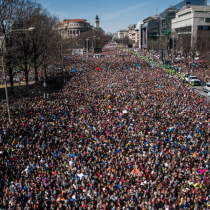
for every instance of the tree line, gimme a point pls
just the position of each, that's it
(96, 39)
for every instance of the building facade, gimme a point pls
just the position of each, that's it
(97, 22)
(138, 37)
(166, 19)
(97, 25)
(191, 2)
(72, 27)
(192, 20)
(131, 33)
(153, 29)
(150, 32)
(122, 33)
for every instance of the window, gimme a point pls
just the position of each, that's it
(206, 28)
(121, 35)
(203, 28)
(202, 11)
(185, 14)
(200, 28)
(207, 20)
(201, 19)
(193, 78)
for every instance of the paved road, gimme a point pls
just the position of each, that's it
(199, 89)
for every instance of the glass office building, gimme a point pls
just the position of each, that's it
(166, 19)
(150, 30)
(154, 28)
(170, 13)
(192, 2)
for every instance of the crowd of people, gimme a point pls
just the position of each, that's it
(118, 137)
(183, 63)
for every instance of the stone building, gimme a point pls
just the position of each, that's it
(121, 34)
(97, 22)
(72, 27)
(131, 32)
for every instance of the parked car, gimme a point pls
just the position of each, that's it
(206, 87)
(193, 80)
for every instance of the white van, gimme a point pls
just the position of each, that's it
(206, 87)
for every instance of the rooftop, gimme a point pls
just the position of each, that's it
(74, 20)
(187, 6)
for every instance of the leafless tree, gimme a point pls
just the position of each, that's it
(43, 38)
(126, 41)
(34, 47)
(194, 46)
(183, 44)
(203, 44)
(99, 40)
(7, 16)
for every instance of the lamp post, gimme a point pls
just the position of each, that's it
(93, 40)
(87, 49)
(6, 91)
(173, 50)
(44, 84)
(83, 44)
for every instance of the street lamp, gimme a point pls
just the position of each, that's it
(87, 49)
(93, 40)
(6, 91)
(44, 84)
(173, 50)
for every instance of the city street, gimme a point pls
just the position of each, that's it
(199, 89)
(99, 110)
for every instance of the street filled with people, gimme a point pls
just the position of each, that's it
(117, 136)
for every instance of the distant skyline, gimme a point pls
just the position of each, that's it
(113, 14)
